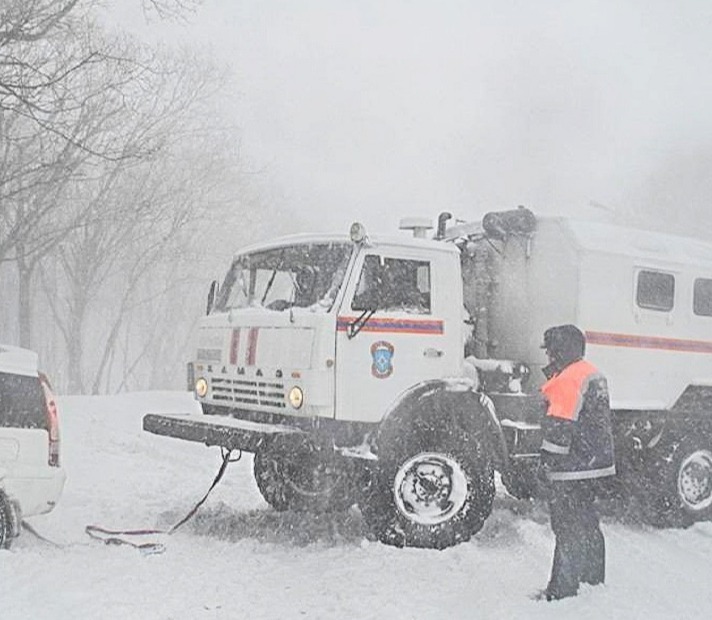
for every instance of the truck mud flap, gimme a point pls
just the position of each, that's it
(229, 433)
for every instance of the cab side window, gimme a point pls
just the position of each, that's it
(655, 290)
(702, 297)
(393, 284)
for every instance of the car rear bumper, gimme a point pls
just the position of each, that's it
(34, 493)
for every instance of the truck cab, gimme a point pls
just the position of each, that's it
(327, 328)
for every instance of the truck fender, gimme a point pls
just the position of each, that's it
(440, 410)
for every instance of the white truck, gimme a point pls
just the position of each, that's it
(400, 373)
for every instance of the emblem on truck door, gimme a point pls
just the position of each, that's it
(382, 354)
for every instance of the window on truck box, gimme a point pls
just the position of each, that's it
(656, 290)
(702, 297)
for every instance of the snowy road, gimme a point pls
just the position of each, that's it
(239, 559)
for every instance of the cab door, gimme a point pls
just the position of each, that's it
(397, 326)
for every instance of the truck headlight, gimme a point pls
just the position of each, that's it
(296, 397)
(201, 387)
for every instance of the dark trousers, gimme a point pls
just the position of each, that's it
(580, 553)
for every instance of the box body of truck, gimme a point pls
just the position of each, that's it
(643, 299)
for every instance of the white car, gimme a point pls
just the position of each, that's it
(31, 479)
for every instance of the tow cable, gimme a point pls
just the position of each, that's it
(26, 526)
(124, 537)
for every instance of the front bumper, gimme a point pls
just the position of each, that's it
(227, 432)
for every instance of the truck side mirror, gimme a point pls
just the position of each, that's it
(212, 296)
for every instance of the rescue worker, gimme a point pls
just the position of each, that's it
(576, 453)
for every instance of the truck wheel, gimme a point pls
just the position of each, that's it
(680, 491)
(302, 478)
(267, 470)
(435, 498)
(5, 525)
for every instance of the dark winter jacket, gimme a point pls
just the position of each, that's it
(577, 436)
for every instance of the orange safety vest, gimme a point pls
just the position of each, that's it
(564, 392)
(577, 435)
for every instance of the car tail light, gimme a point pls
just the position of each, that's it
(52, 422)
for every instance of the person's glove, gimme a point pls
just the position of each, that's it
(542, 479)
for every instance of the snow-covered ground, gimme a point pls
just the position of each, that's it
(239, 559)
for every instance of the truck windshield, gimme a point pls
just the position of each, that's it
(295, 276)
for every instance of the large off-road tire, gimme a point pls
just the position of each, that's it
(434, 497)
(267, 469)
(5, 522)
(678, 492)
(302, 477)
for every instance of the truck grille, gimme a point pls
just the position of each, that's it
(249, 392)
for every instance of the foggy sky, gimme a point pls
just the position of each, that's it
(375, 110)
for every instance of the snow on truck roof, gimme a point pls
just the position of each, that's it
(403, 240)
(298, 239)
(645, 244)
(587, 235)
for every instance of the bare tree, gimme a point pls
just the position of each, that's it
(97, 124)
(170, 9)
(139, 219)
(118, 185)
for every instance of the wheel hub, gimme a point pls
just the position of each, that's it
(308, 475)
(695, 480)
(430, 488)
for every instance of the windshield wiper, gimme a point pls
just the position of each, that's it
(272, 277)
(269, 286)
(356, 326)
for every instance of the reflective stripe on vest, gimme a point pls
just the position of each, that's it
(554, 448)
(587, 474)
